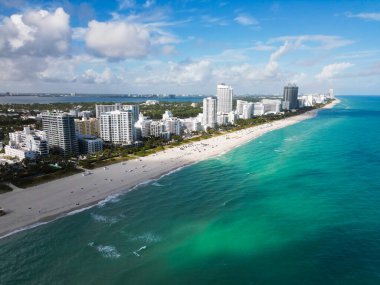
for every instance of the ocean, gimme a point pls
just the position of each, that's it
(300, 205)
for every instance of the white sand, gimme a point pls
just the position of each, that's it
(53, 199)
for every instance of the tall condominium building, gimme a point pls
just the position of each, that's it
(224, 95)
(109, 108)
(290, 99)
(117, 126)
(60, 132)
(87, 126)
(209, 112)
(135, 111)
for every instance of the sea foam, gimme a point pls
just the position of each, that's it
(107, 251)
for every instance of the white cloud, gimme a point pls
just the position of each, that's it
(272, 67)
(246, 20)
(118, 40)
(365, 16)
(20, 68)
(161, 37)
(36, 32)
(314, 41)
(105, 77)
(182, 73)
(79, 33)
(333, 70)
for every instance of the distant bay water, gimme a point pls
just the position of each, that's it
(300, 205)
(89, 99)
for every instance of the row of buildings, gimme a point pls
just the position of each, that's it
(218, 110)
(124, 125)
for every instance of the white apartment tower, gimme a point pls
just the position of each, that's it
(224, 94)
(118, 106)
(117, 126)
(209, 112)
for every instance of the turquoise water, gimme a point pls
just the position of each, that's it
(300, 205)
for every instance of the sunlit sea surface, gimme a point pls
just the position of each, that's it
(300, 205)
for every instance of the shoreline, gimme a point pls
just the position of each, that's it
(38, 205)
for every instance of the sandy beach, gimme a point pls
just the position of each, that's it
(45, 202)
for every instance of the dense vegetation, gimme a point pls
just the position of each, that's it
(28, 173)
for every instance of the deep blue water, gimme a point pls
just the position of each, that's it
(300, 205)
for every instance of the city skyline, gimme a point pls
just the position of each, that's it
(188, 46)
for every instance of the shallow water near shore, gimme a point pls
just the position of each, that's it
(299, 205)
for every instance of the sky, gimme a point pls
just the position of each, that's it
(188, 47)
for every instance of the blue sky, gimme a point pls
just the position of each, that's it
(187, 47)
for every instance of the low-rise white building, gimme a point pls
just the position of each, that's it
(172, 126)
(156, 129)
(151, 102)
(222, 119)
(20, 152)
(27, 144)
(191, 124)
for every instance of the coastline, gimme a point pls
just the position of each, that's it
(38, 205)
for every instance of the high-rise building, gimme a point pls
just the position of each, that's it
(118, 106)
(117, 126)
(87, 126)
(209, 112)
(60, 132)
(271, 106)
(107, 108)
(290, 99)
(224, 95)
(135, 111)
